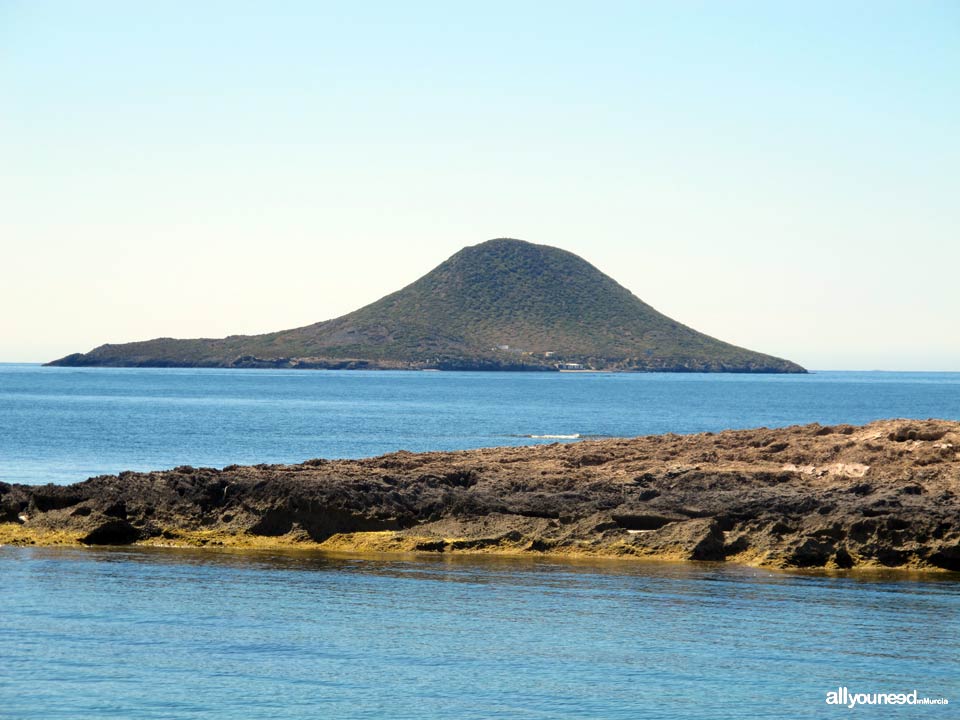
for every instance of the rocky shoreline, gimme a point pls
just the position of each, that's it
(104, 357)
(886, 494)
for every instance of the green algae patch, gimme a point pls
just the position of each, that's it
(24, 535)
(227, 539)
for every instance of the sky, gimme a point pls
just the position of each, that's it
(781, 175)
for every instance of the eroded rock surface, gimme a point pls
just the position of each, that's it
(885, 494)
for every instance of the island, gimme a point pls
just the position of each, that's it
(882, 495)
(504, 304)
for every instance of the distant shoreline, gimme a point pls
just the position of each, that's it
(78, 360)
(807, 371)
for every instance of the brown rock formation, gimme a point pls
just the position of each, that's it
(885, 494)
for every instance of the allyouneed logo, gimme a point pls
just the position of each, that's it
(843, 696)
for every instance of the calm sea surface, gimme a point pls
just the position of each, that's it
(176, 634)
(137, 633)
(67, 424)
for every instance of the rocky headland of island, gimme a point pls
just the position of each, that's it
(886, 494)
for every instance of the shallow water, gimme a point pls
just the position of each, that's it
(67, 424)
(148, 633)
(158, 634)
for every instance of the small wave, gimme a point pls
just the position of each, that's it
(559, 436)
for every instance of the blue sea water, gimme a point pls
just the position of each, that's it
(150, 633)
(66, 424)
(138, 633)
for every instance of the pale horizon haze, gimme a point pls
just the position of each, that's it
(782, 176)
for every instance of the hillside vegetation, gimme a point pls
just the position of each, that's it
(502, 304)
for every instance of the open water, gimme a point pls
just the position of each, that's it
(148, 633)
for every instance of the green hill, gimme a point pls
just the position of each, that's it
(503, 304)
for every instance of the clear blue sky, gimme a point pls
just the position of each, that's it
(785, 176)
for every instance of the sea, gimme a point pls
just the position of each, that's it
(158, 633)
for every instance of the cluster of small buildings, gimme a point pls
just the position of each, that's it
(549, 354)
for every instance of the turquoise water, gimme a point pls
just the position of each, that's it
(142, 633)
(67, 424)
(162, 634)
